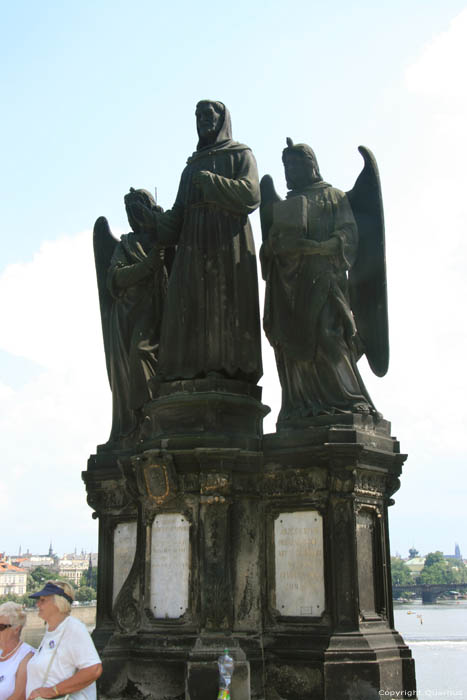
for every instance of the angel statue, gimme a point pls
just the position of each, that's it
(323, 260)
(132, 282)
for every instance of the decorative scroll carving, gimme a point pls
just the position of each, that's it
(215, 483)
(126, 609)
(151, 476)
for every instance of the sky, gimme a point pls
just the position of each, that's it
(100, 96)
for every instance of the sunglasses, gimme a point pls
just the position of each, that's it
(4, 627)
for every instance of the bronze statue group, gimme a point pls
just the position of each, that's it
(179, 293)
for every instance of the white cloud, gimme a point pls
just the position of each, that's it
(439, 72)
(428, 286)
(53, 317)
(50, 425)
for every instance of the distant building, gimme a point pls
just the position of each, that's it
(12, 579)
(415, 565)
(37, 560)
(70, 566)
(457, 553)
(73, 566)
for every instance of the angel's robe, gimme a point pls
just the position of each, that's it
(134, 329)
(211, 319)
(308, 318)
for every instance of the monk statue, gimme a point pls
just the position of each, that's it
(323, 262)
(211, 323)
(132, 282)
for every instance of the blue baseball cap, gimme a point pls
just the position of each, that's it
(51, 589)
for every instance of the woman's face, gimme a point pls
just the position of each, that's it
(46, 606)
(5, 633)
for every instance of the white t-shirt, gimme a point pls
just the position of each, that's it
(75, 651)
(8, 670)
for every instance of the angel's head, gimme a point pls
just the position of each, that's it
(132, 200)
(300, 165)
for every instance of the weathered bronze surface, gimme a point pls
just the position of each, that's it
(346, 469)
(211, 323)
(323, 262)
(132, 283)
(189, 491)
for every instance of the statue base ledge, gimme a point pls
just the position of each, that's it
(209, 412)
(342, 429)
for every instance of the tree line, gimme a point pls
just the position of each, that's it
(85, 592)
(436, 570)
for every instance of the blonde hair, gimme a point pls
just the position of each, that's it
(63, 605)
(14, 612)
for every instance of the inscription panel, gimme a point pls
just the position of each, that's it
(299, 560)
(170, 562)
(124, 554)
(365, 559)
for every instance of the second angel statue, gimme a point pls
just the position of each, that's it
(323, 262)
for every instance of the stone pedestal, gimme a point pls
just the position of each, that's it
(276, 548)
(333, 482)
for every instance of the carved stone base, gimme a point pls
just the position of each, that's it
(344, 469)
(210, 412)
(366, 664)
(280, 554)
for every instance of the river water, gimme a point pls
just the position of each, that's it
(437, 636)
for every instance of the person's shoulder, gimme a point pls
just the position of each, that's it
(74, 621)
(76, 625)
(27, 649)
(76, 631)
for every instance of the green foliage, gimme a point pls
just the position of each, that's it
(437, 569)
(85, 593)
(434, 558)
(21, 599)
(89, 578)
(459, 570)
(40, 575)
(400, 573)
(10, 597)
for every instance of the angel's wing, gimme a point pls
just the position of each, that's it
(367, 278)
(269, 197)
(104, 245)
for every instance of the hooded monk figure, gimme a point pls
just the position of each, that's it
(211, 322)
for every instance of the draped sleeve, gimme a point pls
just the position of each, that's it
(240, 194)
(128, 266)
(169, 223)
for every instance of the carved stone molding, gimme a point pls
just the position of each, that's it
(370, 484)
(293, 481)
(151, 477)
(106, 496)
(215, 483)
(342, 481)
